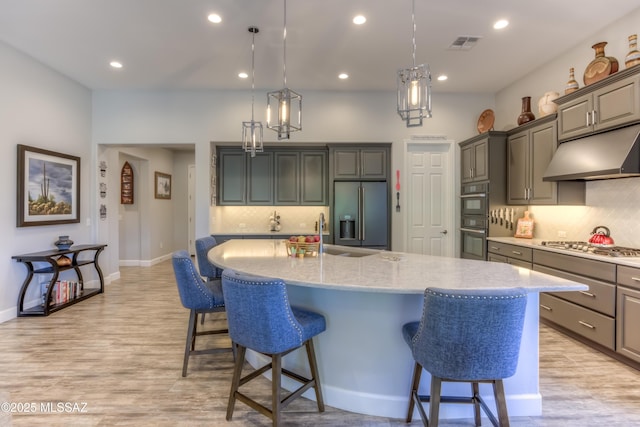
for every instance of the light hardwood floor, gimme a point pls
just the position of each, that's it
(120, 353)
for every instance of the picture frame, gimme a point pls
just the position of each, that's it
(162, 185)
(48, 190)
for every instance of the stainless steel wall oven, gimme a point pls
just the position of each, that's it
(474, 201)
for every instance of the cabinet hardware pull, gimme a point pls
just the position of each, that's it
(495, 248)
(637, 279)
(516, 253)
(586, 324)
(546, 307)
(588, 118)
(472, 230)
(594, 117)
(589, 294)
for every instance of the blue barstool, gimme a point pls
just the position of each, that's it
(466, 336)
(261, 319)
(207, 270)
(199, 297)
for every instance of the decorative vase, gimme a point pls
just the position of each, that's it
(63, 243)
(633, 57)
(601, 67)
(572, 84)
(526, 115)
(546, 105)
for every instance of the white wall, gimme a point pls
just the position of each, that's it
(40, 108)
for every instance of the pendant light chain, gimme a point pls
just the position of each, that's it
(284, 43)
(413, 19)
(253, 68)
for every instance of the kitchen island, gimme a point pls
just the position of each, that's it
(366, 297)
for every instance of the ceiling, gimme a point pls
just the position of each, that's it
(170, 44)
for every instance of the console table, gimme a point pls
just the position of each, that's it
(51, 257)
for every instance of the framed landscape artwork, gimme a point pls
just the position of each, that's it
(162, 185)
(48, 187)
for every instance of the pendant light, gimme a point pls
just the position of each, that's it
(252, 131)
(288, 116)
(414, 87)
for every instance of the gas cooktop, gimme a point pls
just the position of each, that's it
(615, 251)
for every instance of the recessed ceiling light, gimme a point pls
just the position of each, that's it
(503, 23)
(243, 75)
(215, 18)
(343, 76)
(116, 64)
(442, 77)
(359, 20)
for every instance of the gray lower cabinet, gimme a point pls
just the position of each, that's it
(510, 254)
(590, 314)
(628, 315)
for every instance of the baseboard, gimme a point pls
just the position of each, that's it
(143, 263)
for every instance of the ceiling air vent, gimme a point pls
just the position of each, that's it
(464, 42)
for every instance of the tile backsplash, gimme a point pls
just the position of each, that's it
(255, 219)
(613, 203)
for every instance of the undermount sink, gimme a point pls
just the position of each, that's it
(350, 252)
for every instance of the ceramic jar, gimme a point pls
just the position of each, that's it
(633, 57)
(63, 243)
(601, 67)
(572, 84)
(526, 115)
(546, 105)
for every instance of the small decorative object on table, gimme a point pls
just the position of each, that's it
(302, 247)
(524, 229)
(63, 260)
(572, 84)
(63, 243)
(601, 67)
(633, 57)
(526, 115)
(546, 105)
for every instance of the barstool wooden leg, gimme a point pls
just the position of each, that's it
(276, 377)
(313, 367)
(501, 403)
(235, 381)
(434, 402)
(415, 383)
(191, 336)
(475, 397)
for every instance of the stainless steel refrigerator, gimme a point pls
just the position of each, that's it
(360, 214)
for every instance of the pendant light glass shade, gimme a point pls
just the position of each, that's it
(284, 107)
(252, 131)
(414, 88)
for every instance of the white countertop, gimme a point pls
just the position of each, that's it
(536, 244)
(410, 274)
(282, 233)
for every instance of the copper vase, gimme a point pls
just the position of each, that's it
(526, 115)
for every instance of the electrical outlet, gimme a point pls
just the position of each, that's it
(562, 234)
(161, 245)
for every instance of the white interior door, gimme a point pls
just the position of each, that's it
(430, 197)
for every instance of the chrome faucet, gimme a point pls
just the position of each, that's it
(320, 230)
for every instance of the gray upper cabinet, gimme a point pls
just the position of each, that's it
(475, 161)
(232, 175)
(607, 104)
(260, 179)
(274, 177)
(529, 151)
(287, 180)
(360, 163)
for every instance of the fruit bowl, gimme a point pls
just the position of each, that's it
(302, 249)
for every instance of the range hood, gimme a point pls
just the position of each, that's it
(613, 154)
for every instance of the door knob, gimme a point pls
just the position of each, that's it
(444, 232)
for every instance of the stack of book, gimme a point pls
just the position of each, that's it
(63, 291)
